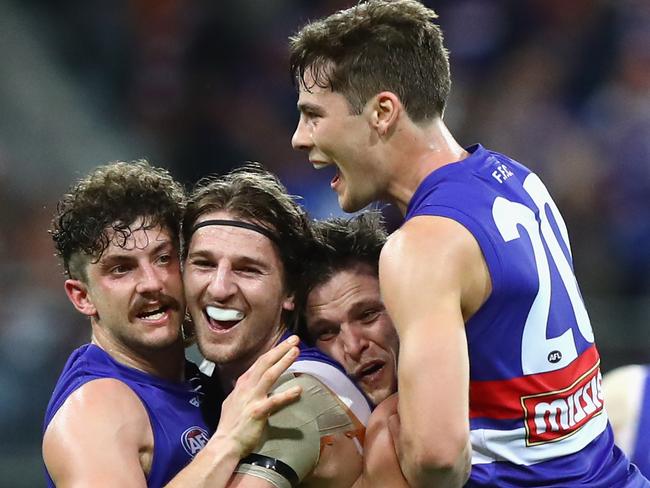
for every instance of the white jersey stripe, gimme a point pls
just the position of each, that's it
(339, 383)
(489, 446)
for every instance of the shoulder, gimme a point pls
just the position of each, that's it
(319, 412)
(308, 438)
(426, 241)
(316, 397)
(102, 394)
(95, 403)
(428, 235)
(433, 257)
(103, 420)
(325, 376)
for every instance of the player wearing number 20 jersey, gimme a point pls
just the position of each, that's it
(536, 408)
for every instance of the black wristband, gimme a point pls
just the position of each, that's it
(273, 464)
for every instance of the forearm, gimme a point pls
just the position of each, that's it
(433, 442)
(440, 473)
(212, 467)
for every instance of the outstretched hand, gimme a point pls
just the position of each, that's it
(245, 411)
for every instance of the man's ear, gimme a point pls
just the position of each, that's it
(289, 303)
(386, 107)
(77, 292)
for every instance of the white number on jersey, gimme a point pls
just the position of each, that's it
(540, 354)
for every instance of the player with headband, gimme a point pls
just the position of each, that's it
(244, 247)
(128, 409)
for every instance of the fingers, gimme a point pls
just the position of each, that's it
(271, 375)
(276, 401)
(270, 365)
(271, 357)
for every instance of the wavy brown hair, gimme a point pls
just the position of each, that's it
(254, 194)
(105, 205)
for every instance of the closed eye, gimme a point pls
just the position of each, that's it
(247, 270)
(328, 334)
(201, 263)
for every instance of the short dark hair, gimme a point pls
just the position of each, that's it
(374, 46)
(339, 244)
(104, 206)
(254, 194)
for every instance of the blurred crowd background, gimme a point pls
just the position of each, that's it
(201, 86)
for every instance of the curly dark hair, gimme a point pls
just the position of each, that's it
(104, 205)
(339, 244)
(374, 46)
(252, 193)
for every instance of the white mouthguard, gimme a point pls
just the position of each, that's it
(224, 314)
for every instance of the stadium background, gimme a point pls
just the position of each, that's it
(200, 86)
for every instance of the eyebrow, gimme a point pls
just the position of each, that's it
(366, 303)
(202, 253)
(309, 107)
(320, 323)
(124, 255)
(208, 254)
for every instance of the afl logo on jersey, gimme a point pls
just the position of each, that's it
(554, 357)
(194, 439)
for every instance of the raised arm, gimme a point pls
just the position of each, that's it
(433, 278)
(243, 417)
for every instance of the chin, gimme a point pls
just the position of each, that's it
(379, 395)
(349, 207)
(350, 204)
(219, 354)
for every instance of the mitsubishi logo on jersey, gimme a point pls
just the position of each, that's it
(194, 439)
(558, 414)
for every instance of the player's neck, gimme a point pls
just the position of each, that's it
(167, 362)
(427, 148)
(230, 372)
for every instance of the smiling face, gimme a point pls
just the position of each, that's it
(134, 293)
(235, 290)
(348, 321)
(332, 135)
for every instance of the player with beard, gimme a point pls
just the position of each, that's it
(126, 410)
(245, 241)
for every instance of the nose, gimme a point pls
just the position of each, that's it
(354, 342)
(151, 281)
(301, 139)
(222, 286)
